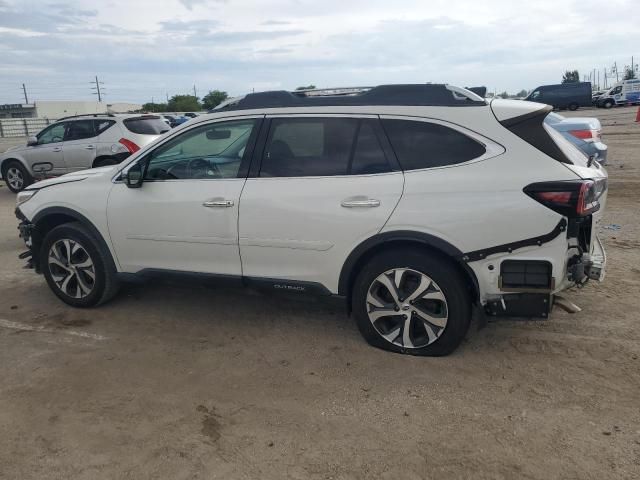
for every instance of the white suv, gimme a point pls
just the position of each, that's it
(416, 204)
(78, 143)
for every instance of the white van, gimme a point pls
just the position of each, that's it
(627, 91)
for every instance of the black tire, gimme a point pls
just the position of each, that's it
(105, 162)
(573, 107)
(17, 168)
(608, 104)
(450, 283)
(105, 284)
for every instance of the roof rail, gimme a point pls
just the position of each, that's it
(87, 115)
(440, 95)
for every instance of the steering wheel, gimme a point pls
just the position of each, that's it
(201, 168)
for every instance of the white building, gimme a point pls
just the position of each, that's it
(61, 108)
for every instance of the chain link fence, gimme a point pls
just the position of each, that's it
(22, 127)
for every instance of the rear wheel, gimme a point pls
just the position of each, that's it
(16, 176)
(573, 107)
(411, 302)
(76, 267)
(104, 162)
(608, 104)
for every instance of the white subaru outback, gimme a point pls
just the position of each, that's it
(416, 204)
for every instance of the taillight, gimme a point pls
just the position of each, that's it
(569, 198)
(129, 145)
(586, 135)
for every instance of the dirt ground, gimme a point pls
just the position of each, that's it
(177, 382)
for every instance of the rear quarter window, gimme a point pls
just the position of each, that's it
(146, 125)
(421, 145)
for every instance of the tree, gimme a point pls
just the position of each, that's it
(213, 99)
(571, 76)
(308, 87)
(503, 95)
(183, 103)
(522, 93)
(154, 107)
(629, 74)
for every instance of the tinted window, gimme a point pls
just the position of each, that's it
(102, 125)
(53, 134)
(368, 156)
(208, 152)
(79, 130)
(425, 145)
(304, 147)
(146, 125)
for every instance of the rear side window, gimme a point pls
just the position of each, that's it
(426, 145)
(146, 125)
(306, 147)
(79, 130)
(102, 125)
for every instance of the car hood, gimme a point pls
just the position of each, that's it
(74, 177)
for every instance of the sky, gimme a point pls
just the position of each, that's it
(144, 50)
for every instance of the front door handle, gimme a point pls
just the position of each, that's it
(56, 149)
(89, 147)
(364, 203)
(218, 203)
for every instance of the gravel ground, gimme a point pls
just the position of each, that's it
(190, 382)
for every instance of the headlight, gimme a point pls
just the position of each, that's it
(24, 195)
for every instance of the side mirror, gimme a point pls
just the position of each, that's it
(31, 141)
(133, 177)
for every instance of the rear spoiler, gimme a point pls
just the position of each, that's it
(529, 126)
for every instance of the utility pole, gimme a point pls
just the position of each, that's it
(195, 94)
(615, 65)
(97, 89)
(24, 89)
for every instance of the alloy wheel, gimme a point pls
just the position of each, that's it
(72, 268)
(15, 178)
(407, 308)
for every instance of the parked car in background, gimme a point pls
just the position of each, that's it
(78, 143)
(584, 132)
(563, 95)
(414, 205)
(190, 114)
(622, 93)
(596, 95)
(179, 120)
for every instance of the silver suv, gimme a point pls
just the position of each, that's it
(78, 143)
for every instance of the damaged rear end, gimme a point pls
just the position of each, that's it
(532, 286)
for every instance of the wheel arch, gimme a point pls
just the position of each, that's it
(6, 161)
(51, 217)
(403, 239)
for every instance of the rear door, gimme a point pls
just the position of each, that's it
(79, 145)
(323, 184)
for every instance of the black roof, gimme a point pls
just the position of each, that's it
(397, 95)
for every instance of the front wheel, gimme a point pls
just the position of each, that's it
(76, 267)
(411, 302)
(573, 107)
(16, 176)
(608, 104)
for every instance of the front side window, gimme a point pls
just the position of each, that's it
(53, 134)
(310, 147)
(211, 151)
(426, 145)
(79, 130)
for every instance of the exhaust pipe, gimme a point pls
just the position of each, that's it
(565, 304)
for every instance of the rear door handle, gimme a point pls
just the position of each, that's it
(365, 203)
(89, 147)
(56, 149)
(218, 203)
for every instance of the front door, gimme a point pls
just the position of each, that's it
(46, 156)
(79, 145)
(324, 185)
(185, 215)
